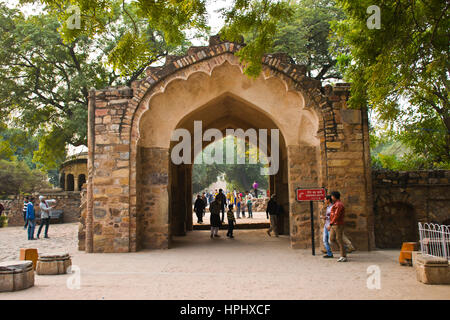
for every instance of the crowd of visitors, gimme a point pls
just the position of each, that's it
(334, 213)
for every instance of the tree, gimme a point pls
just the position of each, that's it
(238, 176)
(45, 80)
(172, 19)
(402, 70)
(305, 37)
(17, 177)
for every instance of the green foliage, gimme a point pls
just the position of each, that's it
(401, 71)
(3, 221)
(237, 176)
(305, 37)
(259, 19)
(17, 177)
(46, 77)
(388, 151)
(172, 19)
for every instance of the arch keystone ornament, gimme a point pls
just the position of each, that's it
(145, 199)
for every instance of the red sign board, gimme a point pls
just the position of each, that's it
(318, 194)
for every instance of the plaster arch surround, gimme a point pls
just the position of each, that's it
(269, 96)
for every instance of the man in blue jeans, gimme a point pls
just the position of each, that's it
(326, 233)
(31, 219)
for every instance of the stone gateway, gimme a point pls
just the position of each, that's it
(137, 198)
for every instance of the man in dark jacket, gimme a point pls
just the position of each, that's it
(199, 206)
(222, 200)
(214, 208)
(31, 219)
(272, 211)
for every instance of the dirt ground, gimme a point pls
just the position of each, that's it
(251, 266)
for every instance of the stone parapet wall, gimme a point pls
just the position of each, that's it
(69, 202)
(404, 198)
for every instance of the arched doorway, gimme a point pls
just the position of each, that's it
(131, 178)
(70, 182)
(62, 181)
(226, 99)
(81, 181)
(395, 223)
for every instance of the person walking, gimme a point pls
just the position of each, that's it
(214, 208)
(249, 201)
(272, 211)
(199, 206)
(222, 202)
(255, 187)
(238, 206)
(205, 200)
(45, 208)
(336, 226)
(326, 234)
(231, 221)
(24, 211)
(31, 219)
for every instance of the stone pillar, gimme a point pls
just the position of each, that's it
(188, 197)
(90, 168)
(178, 203)
(302, 166)
(154, 198)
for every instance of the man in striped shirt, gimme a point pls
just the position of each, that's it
(24, 211)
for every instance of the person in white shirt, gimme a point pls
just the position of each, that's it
(249, 202)
(45, 206)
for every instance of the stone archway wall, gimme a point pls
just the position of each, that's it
(340, 160)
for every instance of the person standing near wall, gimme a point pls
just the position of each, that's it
(336, 227)
(31, 219)
(272, 211)
(24, 211)
(326, 234)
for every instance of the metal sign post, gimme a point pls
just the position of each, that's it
(312, 194)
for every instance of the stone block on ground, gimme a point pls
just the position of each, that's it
(16, 275)
(432, 270)
(52, 264)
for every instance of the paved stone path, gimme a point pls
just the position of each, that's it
(251, 266)
(63, 237)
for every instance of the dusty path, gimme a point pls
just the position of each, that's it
(251, 266)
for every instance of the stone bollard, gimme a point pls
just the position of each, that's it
(51, 264)
(432, 270)
(16, 275)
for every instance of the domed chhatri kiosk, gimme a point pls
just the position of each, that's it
(73, 172)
